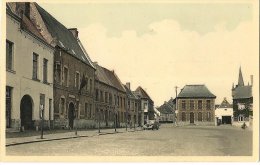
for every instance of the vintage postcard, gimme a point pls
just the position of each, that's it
(135, 81)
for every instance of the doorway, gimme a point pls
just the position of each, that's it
(26, 112)
(71, 115)
(226, 119)
(192, 118)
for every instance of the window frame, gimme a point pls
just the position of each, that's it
(11, 44)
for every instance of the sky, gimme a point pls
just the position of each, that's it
(162, 45)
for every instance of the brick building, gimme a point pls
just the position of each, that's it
(196, 105)
(133, 106)
(110, 98)
(242, 99)
(71, 65)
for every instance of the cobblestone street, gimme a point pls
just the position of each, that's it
(167, 141)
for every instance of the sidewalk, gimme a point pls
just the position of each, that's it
(63, 135)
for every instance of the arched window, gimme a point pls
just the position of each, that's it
(199, 116)
(183, 116)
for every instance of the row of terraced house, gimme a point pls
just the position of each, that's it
(50, 77)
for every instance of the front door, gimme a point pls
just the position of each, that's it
(71, 115)
(26, 112)
(191, 117)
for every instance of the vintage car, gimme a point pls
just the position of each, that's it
(151, 124)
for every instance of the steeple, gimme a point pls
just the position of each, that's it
(240, 78)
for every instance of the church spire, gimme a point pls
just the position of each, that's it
(240, 78)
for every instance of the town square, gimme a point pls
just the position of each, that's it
(137, 79)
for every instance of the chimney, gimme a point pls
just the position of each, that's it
(27, 9)
(75, 32)
(22, 8)
(128, 85)
(251, 77)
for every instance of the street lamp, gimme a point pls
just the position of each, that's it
(41, 116)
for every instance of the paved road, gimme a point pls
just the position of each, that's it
(167, 141)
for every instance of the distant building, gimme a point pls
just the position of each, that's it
(133, 106)
(196, 105)
(167, 111)
(29, 71)
(242, 99)
(147, 106)
(224, 113)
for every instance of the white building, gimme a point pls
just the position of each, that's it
(224, 113)
(29, 72)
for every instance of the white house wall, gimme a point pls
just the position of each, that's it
(21, 79)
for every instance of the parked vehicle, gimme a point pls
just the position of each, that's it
(152, 124)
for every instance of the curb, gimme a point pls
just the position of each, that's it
(64, 138)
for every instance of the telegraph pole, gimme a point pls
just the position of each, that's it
(176, 105)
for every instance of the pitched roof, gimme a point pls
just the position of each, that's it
(142, 93)
(225, 104)
(242, 92)
(166, 108)
(129, 93)
(64, 38)
(108, 77)
(26, 24)
(195, 91)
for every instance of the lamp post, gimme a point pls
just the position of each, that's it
(41, 116)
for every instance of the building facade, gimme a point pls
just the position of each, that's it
(167, 111)
(29, 72)
(196, 105)
(71, 67)
(110, 99)
(147, 106)
(133, 107)
(242, 99)
(224, 113)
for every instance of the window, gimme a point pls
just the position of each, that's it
(35, 66)
(86, 86)
(106, 99)
(110, 98)
(57, 73)
(78, 112)
(86, 110)
(9, 55)
(200, 104)
(118, 100)
(121, 102)
(183, 104)
(62, 106)
(115, 99)
(208, 116)
(45, 70)
(208, 105)
(90, 111)
(102, 96)
(183, 116)
(192, 105)
(124, 102)
(90, 85)
(77, 82)
(97, 95)
(65, 74)
(145, 106)
(42, 103)
(199, 116)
